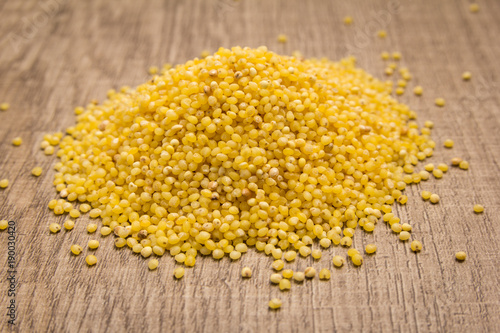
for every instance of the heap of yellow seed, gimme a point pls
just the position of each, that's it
(244, 148)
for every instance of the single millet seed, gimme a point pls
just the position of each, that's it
(478, 209)
(287, 273)
(371, 248)
(357, 259)
(325, 274)
(4, 183)
(456, 161)
(91, 260)
(285, 284)
(416, 246)
(246, 272)
(37, 171)
(466, 76)
(338, 261)
(276, 278)
(434, 198)
(54, 228)
(461, 256)
(440, 102)
(310, 272)
(275, 303)
(348, 21)
(298, 276)
(76, 249)
(282, 38)
(179, 272)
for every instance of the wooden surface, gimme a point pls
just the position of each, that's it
(58, 54)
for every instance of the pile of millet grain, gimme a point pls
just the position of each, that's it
(243, 148)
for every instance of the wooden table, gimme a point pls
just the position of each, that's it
(58, 54)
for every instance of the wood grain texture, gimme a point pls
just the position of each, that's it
(58, 54)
